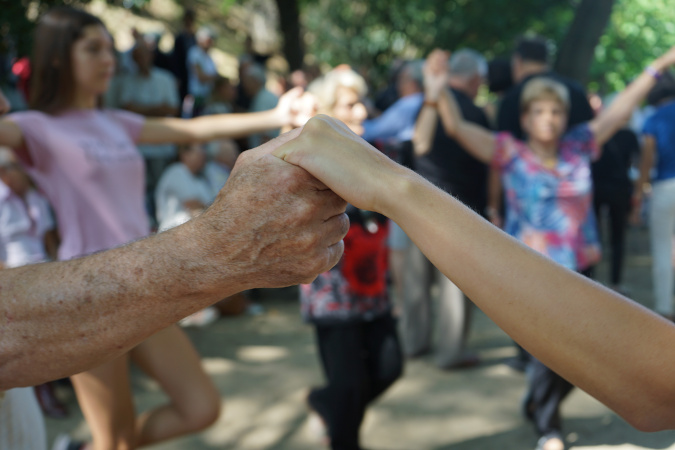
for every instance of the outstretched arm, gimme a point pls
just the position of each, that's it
(584, 332)
(272, 225)
(435, 81)
(289, 111)
(619, 112)
(477, 140)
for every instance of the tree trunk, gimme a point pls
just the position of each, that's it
(578, 47)
(289, 22)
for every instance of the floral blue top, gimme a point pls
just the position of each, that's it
(550, 209)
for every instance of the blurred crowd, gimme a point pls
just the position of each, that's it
(378, 306)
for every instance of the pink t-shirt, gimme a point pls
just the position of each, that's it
(87, 164)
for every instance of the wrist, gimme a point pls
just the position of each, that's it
(432, 95)
(199, 253)
(395, 192)
(656, 68)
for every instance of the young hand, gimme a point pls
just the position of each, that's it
(348, 165)
(296, 107)
(435, 74)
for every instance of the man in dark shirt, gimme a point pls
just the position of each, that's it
(445, 163)
(612, 189)
(184, 40)
(529, 60)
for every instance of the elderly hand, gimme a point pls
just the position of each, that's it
(344, 162)
(273, 223)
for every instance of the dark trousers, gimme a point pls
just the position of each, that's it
(546, 392)
(360, 361)
(617, 202)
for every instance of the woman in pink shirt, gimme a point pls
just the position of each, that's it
(85, 160)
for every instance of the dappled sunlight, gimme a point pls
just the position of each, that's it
(250, 423)
(262, 353)
(498, 353)
(218, 366)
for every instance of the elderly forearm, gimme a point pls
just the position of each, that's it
(581, 330)
(57, 319)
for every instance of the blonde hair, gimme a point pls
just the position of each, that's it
(542, 88)
(325, 88)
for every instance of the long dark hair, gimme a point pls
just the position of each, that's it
(52, 80)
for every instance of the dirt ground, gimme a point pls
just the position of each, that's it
(264, 364)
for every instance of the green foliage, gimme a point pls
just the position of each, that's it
(17, 20)
(372, 33)
(638, 32)
(17, 23)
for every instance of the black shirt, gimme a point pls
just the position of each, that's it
(451, 167)
(610, 172)
(508, 117)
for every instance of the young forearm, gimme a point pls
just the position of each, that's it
(579, 329)
(425, 129)
(208, 128)
(478, 141)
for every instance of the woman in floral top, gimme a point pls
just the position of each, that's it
(349, 306)
(547, 181)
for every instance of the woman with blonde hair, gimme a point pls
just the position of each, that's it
(349, 305)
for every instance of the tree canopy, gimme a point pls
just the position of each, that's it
(371, 34)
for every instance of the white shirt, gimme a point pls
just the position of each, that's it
(23, 224)
(197, 56)
(159, 88)
(216, 174)
(176, 186)
(21, 424)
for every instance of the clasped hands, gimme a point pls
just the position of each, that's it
(280, 219)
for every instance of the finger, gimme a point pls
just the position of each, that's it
(268, 147)
(307, 180)
(333, 255)
(334, 230)
(331, 204)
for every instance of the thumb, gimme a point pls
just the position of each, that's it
(268, 147)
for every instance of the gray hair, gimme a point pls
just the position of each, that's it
(467, 63)
(414, 70)
(205, 33)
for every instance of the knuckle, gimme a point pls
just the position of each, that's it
(306, 208)
(344, 225)
(317, 127)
